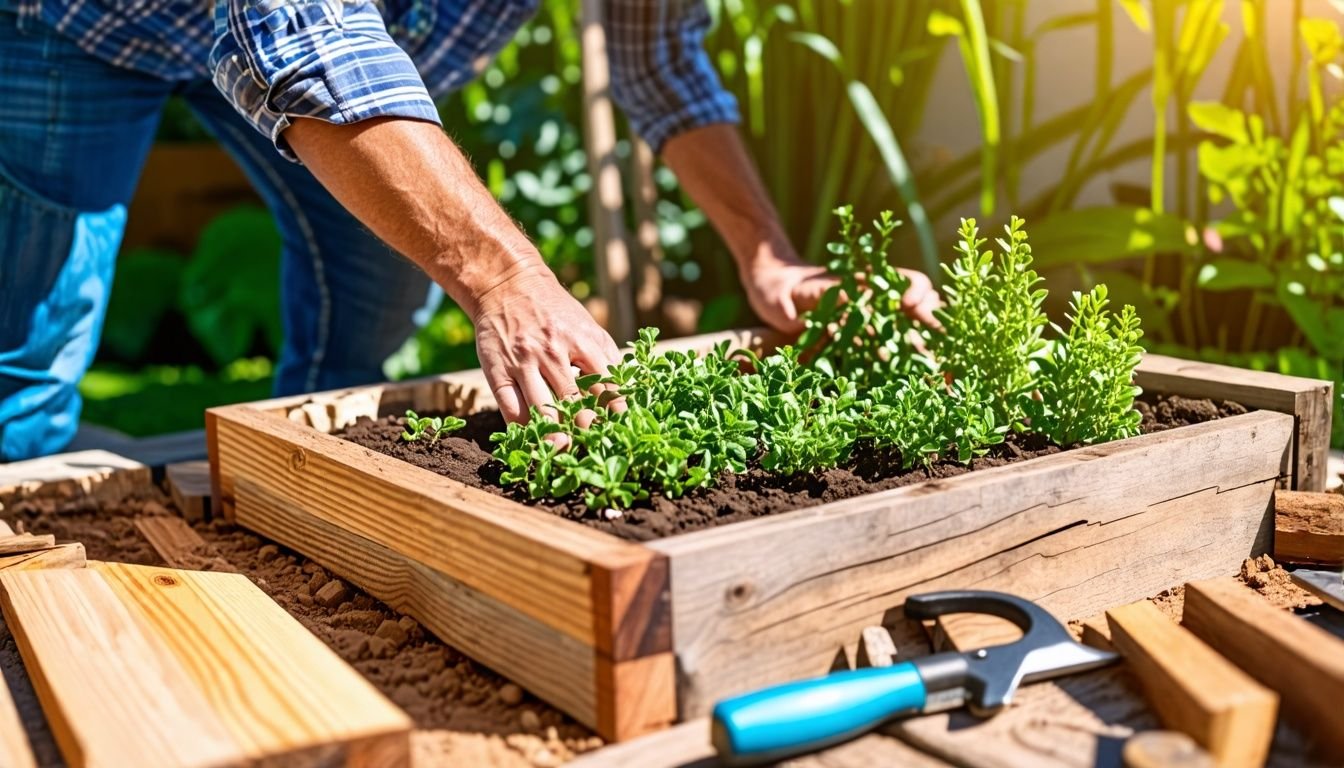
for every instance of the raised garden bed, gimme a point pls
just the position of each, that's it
(628, 637)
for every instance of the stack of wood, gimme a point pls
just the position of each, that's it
(24, 551)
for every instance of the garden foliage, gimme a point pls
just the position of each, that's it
(857, 379)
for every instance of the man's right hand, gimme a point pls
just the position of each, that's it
(530, 335)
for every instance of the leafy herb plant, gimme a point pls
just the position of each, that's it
(1086, 383)
(692, 417)
(418, 427)
(993, 320)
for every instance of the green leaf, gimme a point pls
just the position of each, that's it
(1103, 235)
(1234, 274)
(1138, 14)
(942, 24)
(1220, 120)
(230, 291)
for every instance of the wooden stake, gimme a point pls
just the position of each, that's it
(1309, 528)
(153, 666)
(189, 484)
(1303, 663)
(1193, 689)
(173, 539)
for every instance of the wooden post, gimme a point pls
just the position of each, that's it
(611, 251)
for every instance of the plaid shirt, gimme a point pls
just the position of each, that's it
(349, 60)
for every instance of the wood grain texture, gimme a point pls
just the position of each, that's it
(1309, 401)
(529, 559)
(173, 539)
(1303, 663)
(15, 751)
(189, 484)
(972, 631)
(1165, 749)
(1193, 689)
(205, 670)
(1309, 528)
(770, 600)
(95, 473)
(687, 746)
(552, 665)
(60, 556)
(22, 543)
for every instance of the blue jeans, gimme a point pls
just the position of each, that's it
(74, 133)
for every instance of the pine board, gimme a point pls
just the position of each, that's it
(204, 670)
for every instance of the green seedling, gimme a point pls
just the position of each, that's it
(418, 427)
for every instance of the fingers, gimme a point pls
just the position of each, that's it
(920, 299)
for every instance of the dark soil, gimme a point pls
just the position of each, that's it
(466, 457)
(464, 713)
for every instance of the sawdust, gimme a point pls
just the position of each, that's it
(464, 714)
(1274, 584)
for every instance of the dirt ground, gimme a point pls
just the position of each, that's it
(465, 714)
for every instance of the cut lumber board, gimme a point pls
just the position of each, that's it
(204, 670)
(189, 485)
(687, 746)
(23, 543)
(15, 751)
(1310, 401)
(1309, 528)
(769, 600)
(1193, 689)
(1302, 662)
(101, 474)
(60, 556)
(173, 539)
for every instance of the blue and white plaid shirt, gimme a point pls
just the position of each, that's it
(349, 60)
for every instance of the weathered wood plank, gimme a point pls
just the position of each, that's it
(1302, 662)
(15, 751)
(687, 746)
(99, 474)
(173, 539)
(204, 669)
(189, 484)
(60, 556)
(769, 600)
(1310, 401)
(1309, 528)
(23, 543)
(1193, 689)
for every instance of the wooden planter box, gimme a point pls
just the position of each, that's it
(629, 637)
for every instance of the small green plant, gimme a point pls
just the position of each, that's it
(693, 417)
(1087, 378)
(993, 321)
(857, 329)
(434, 427)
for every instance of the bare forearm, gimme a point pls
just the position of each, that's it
(411, 186)
(713, 166)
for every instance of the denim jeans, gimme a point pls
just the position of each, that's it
(74, 133)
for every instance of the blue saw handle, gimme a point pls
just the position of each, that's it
(808, 715)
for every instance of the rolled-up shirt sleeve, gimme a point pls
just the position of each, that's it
(661, 76)
(332, 60)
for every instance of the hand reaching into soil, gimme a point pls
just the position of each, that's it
(530, 335)
(783, 287)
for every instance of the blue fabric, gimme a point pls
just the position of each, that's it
(349, 60)
(74, 133)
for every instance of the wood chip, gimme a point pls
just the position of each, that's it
(20, 543)
(173, 539)
(876, 648)
(189, 484)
